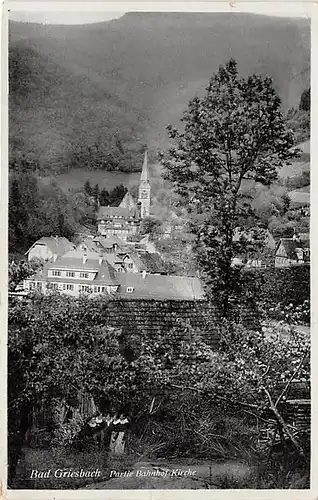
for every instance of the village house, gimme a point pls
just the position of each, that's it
(109, 245)
(124, 257)
(76, 271)
(292, 251)
(255, 261)
(88, 272)
(124, 220)
(49, 247)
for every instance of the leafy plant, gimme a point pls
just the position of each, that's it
(235, 133)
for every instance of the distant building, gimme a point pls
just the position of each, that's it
(123, 256)
(151, 263)
(87, 272)
(75, 272)
(102, 244)
(117, 221)
(292, 251)
(49, 247)
(124, 221)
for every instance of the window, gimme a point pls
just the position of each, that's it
(130, 289)
(69, 287)
(130, 266)
(103, 288)
(97, 289)
(56, 273)
(84, 288)
(39, 285)
(70, 274)
(55, 286)
(83, 275)
(31, 285)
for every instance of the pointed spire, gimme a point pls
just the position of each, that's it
(144, 172)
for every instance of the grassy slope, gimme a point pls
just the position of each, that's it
(131, 76)
(108, 180)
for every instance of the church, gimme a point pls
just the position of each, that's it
(124, 221)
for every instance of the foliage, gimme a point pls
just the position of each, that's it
(179, 392)
(236, 132)
(299, 181)
(35, 209)
(178, 255)
(304, 103)
(294, 315)
(19, 271)
(39, 209)
(278, 288)
(150, 225)
(281, 227)
(68, 134)
(299, 121)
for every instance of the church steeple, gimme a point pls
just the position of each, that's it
(144, 189)
(144, 172)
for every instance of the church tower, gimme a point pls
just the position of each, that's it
(144, 189)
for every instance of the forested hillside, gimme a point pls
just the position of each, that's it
(91, 96)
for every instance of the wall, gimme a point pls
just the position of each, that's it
(156, 317)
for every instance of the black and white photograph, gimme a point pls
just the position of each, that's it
(159, 266)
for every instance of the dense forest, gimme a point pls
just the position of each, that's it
(91, 96)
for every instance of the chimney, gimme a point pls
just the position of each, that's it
(144, 274)
(84, 258)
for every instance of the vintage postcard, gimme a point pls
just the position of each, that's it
(157, 178)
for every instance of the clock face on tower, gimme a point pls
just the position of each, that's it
(144, 194)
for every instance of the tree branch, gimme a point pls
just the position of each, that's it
(284, 427)
(291, 378)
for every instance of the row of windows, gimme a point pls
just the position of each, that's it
(69, 274)
(68, 286)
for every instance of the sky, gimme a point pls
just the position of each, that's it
(59, 12)
(64, 17)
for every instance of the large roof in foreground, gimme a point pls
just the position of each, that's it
(160, 287)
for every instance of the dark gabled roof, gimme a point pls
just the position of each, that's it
(74, 260)
(105, 212)
(105, 273)
(109, 242)
(159, 287)
(113, 259)
(291, 245)
(58, 245)
(136, 260)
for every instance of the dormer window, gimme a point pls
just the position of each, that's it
(83, 275)
(70, 274)
(56, 273)
(130, 289)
